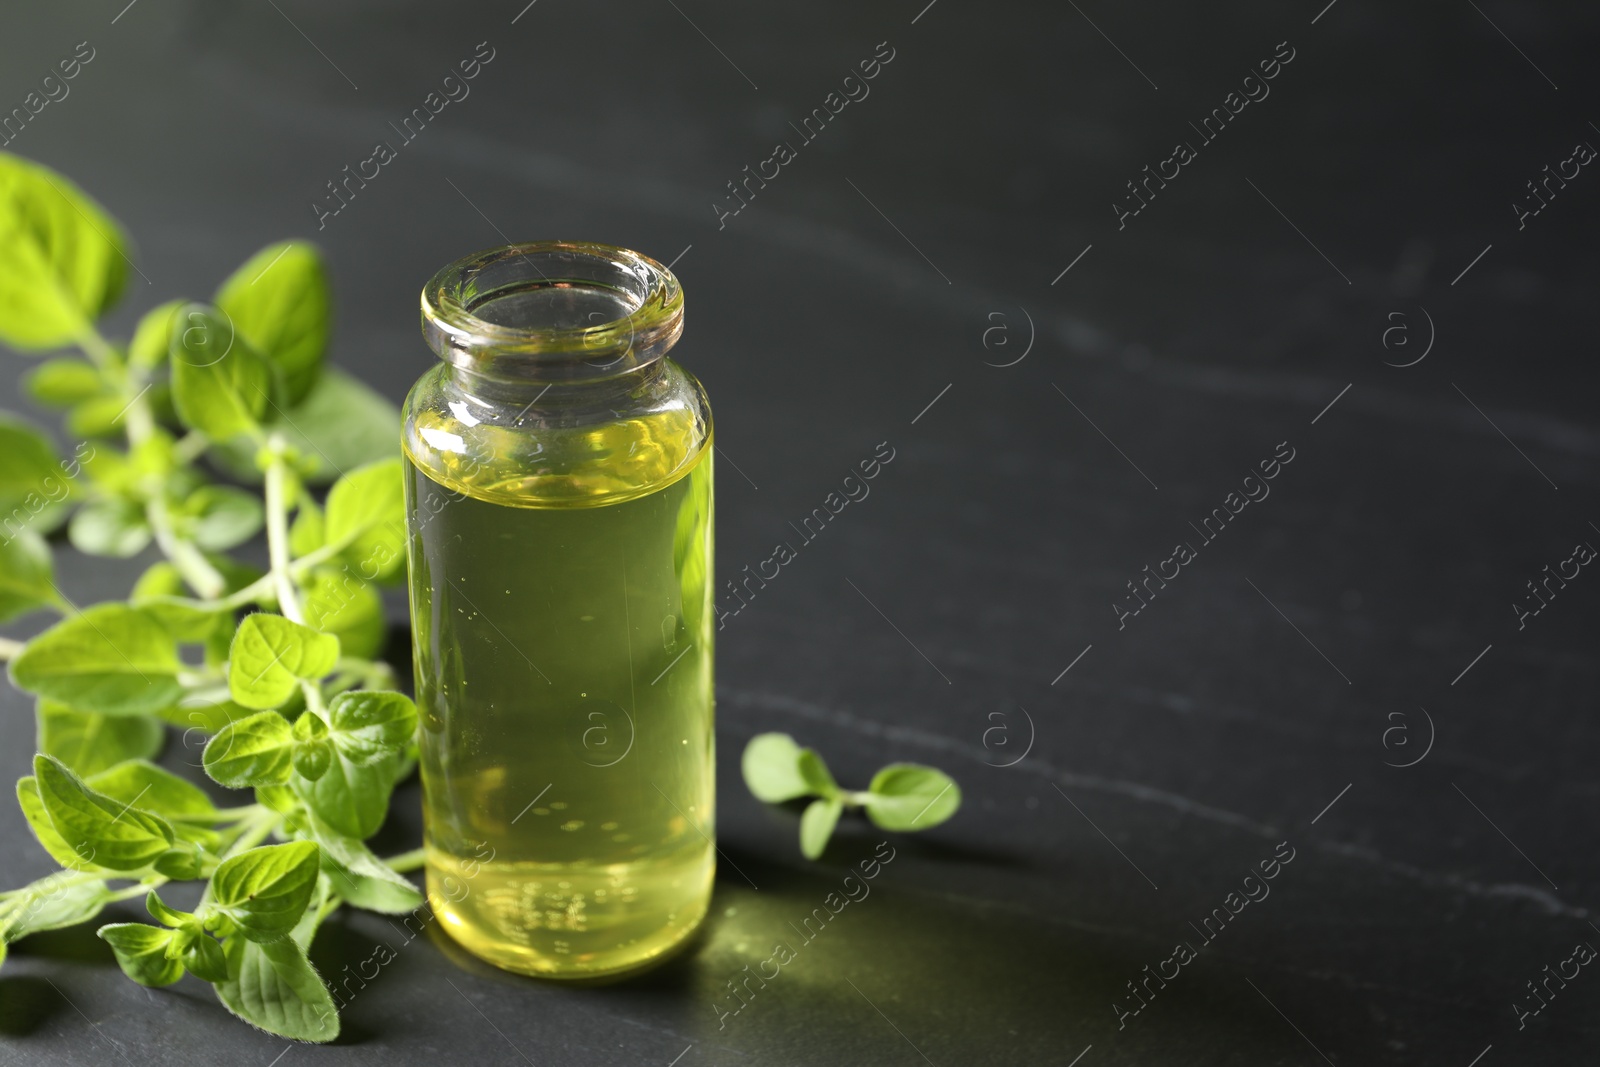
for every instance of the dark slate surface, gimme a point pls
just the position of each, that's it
(878, 274)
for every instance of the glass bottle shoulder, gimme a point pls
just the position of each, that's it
(557, 446)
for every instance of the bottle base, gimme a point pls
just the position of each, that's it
(571, 921)
(600, 969)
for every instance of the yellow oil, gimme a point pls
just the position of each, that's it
(561, 605)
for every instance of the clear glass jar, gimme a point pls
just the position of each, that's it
(558, 491)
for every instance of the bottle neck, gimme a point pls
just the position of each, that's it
(552, 399)
(552, 312)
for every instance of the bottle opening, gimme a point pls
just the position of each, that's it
(552, 311)
(559, 305)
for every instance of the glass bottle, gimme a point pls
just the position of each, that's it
(558, 493)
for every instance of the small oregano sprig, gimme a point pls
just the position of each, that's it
(275, 668)
(902, 796)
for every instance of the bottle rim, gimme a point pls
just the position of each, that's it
(455, 327)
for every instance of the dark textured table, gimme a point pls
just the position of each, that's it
(1080, 364)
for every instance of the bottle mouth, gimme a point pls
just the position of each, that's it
(552, 311)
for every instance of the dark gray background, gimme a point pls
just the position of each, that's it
(1175, 753)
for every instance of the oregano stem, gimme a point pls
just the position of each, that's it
(329, 906)
(321, 555)
(50, 883)
(374, 674)
(267, 583)
(139, 890)
(261, 827)
(130, 381)
(190, 447)
(190, 561)
(141, 421)
(278, 533)
(97, 348)
(341, 683)
(408, 861)
(239, 814)
(9, 648)
(254, 831)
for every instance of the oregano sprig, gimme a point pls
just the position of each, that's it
(902, 796)
(274, 670)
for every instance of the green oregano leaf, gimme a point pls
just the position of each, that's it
(815, 772)
(62, 382)
(339, 426)
(161, 913)
(220, 386)
(816, 826)
(771, 767)
(51, 903)
(45, 831)
(221, 517)
(189, 621)
(183, 861)
(309, 727)
(110, 658)
(366, 514)
(203, 957)
(153, 336)
(368, 725)
(141, 951)
(27, 574)
(312, 759)
(158, 579)
(279, 302)
(28, 466)
(89, 742)
(358, 875)
(909, 796)
(272, 985)
(338, 603)
(270, 655)
(204, 712)
(280, 798)
(265, 890)
(110, 526)
(312, 750)
(99, 416)
(106, 832)
(142, 784)
(351, 797)
(254, 751)
(306, 533)
(63, 260)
